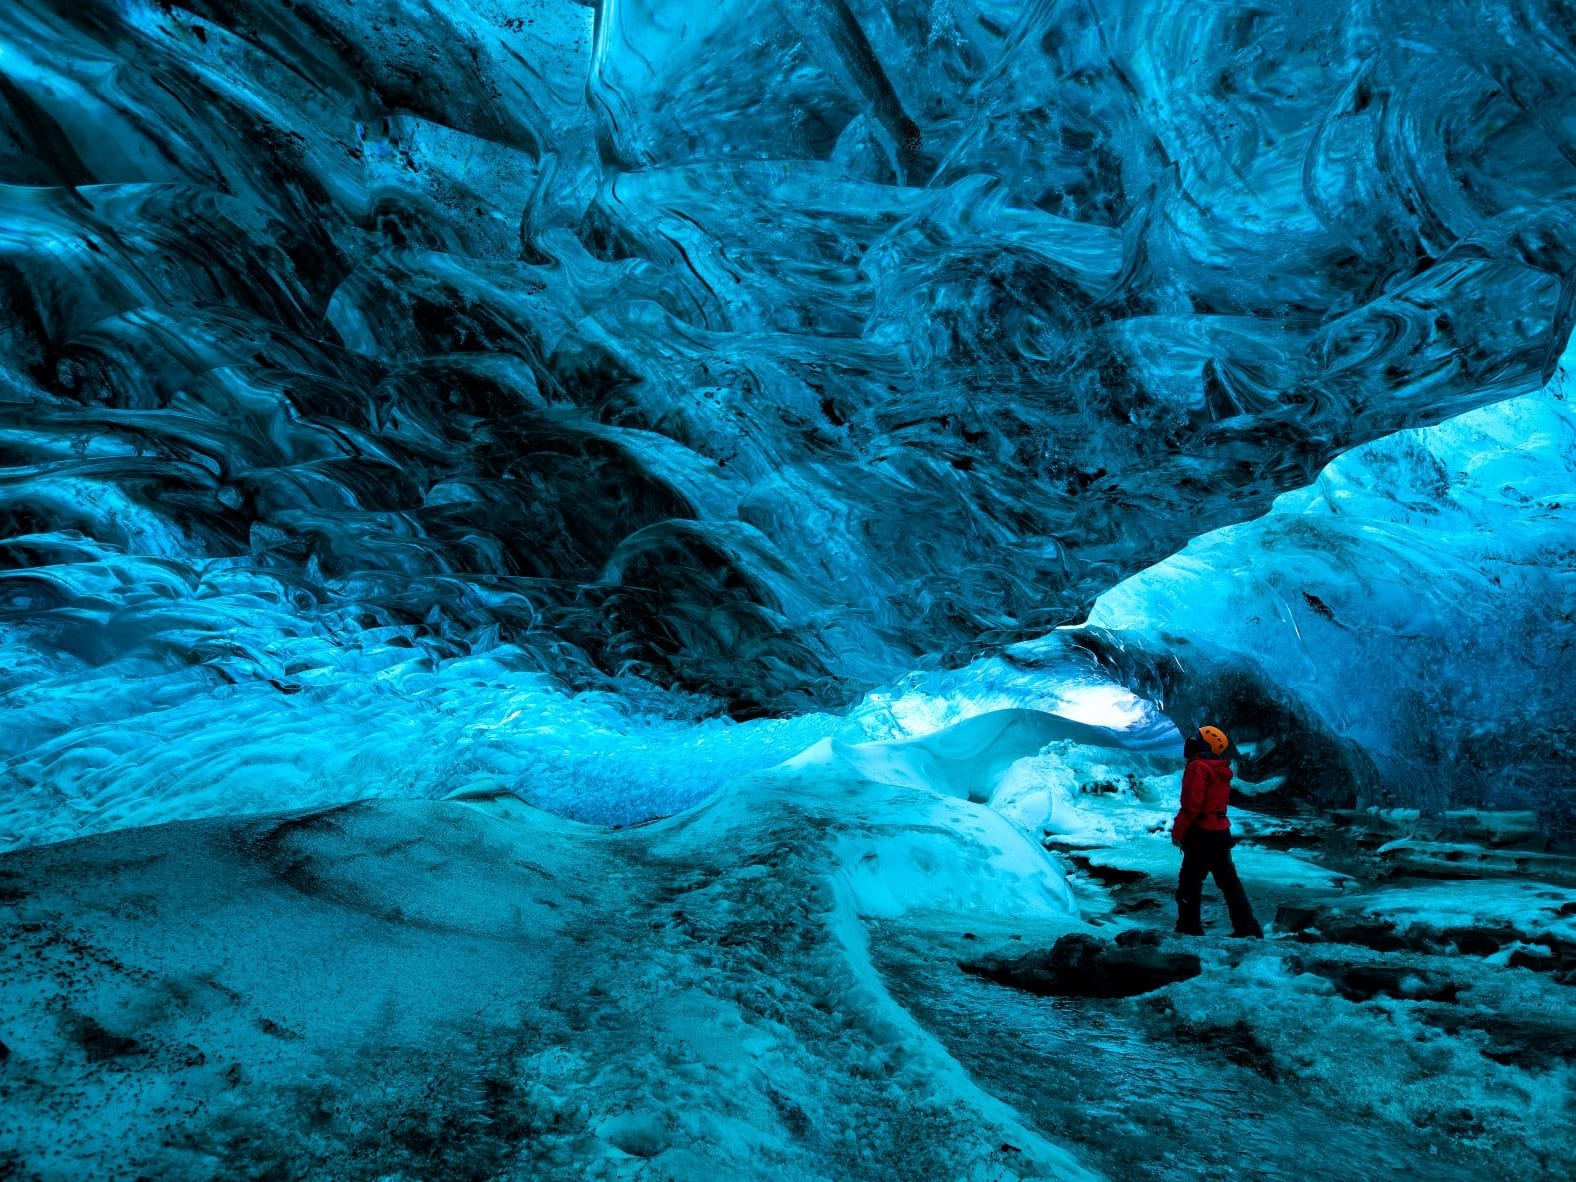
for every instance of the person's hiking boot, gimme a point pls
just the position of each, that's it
(1251, 934)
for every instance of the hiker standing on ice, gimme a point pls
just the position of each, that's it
(1203, 832)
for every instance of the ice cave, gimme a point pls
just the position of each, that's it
(646, 590)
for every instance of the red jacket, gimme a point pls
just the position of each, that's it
(1206, 791)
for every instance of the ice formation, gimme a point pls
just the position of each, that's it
(756, 350)
(1417, 602)
(608, 588)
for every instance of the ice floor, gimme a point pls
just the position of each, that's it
(771, 985)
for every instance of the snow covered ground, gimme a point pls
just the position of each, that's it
(770, 986)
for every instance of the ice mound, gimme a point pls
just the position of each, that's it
(966, 759)
(366, 986)
(1033, 768)
(1080, 965)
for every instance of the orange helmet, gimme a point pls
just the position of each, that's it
(1214, 738)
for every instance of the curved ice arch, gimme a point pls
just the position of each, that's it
(1415, 603)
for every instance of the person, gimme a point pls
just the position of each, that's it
(1203, 832)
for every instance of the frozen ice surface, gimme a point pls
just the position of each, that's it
(412, 413)
(387, 725)
(753, 352)
(765, 986)
(89, 752)
(1416, 602)
(362, 364)
(353, 990)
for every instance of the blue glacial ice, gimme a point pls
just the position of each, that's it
(733, 360)
(577, 578)
(1417, 603)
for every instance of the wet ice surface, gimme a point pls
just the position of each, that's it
(770, 986)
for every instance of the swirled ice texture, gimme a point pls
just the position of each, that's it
(1417, 604)
(721, 357)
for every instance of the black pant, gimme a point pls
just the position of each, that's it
(1206, 852)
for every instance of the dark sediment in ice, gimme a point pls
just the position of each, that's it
(1079, 965)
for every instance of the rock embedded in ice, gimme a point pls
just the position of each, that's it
(1366, 982)
(1469, 917)
(639, 1134)
(1082, 965)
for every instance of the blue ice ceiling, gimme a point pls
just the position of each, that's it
(370, 373)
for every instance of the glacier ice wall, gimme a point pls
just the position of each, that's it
(726, 356)
(1417, 604)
